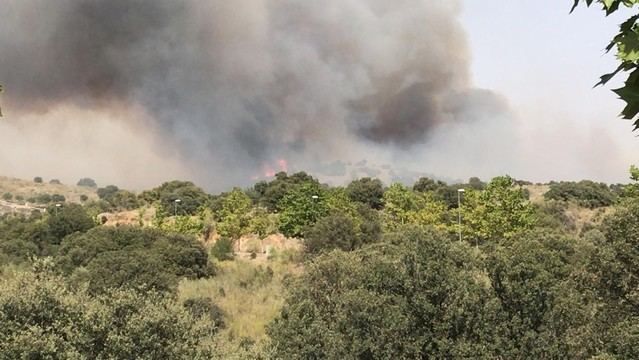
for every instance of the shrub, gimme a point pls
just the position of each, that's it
(222, 250)
(55, 182)
(7, 196)
(57, 198)
(191, 198)
(585, 193)
(37, 180)
(84, 198)
(367, 191)
(204, 307)
(68, 219)
(42, 317)
(335, 231)
(87, 182)
(133, 257)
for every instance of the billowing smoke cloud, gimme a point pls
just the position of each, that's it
(232, 85)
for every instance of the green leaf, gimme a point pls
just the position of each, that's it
(628, 46)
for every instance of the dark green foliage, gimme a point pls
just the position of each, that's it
(7, 196)
(23, 237)
(87, 182)
(192, 198)
(118, 199)
(41, 317)
(107, 192)
(586, 193)
(542, 309)
(271, 194)
(132, 257)
(552, 214)
(84, 198)
(222, 250)
(57, 198)
(336, 231)
(367, 191)
(55, 182)
(43, 199)
(420, 296)
(415, 299)
(341, 231)
(204, 307)
(444, 192)
(425, 184)
(476, 184)
(37, 180)
(66, 220)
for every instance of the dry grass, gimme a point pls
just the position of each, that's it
(28, 188)
(537, 192)
(250, 294)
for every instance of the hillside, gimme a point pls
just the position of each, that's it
(22, 190)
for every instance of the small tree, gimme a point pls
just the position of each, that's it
(37, 180)
(7, 196)
(87, 182)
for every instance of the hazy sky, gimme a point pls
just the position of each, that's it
(545, 61)
(223, 92)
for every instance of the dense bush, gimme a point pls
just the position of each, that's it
(7, 196)
(367, 191)
(191, 198)
(66, 220)
(131, 257)
(270, 194)
(585, 193)
(118, 199)
(421, 296)
(41, 317)
(87, 182)
(55, 182)
(37, 180)
(222, 250)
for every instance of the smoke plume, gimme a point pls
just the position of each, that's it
(231, 87)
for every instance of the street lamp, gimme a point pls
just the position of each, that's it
(175, 204)
(459, 193)
(56, 208)
(315, 197)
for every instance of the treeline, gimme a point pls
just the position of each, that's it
(426, 271)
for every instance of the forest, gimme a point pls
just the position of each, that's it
(499, 269)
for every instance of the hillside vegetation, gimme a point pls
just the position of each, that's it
(295, 269)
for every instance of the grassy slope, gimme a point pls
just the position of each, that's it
(28, 188)
(248, 296)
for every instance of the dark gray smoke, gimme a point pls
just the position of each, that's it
(239, 84)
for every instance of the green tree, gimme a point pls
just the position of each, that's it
(66, 220)
(191, 198)
(132, 257)
(418, 297)
(41, 317)
(405, 207)
(301, 208)
(335, 231)
(497, 213)
(37, 180)
(87, 182)
(234, 215)
(367, 191)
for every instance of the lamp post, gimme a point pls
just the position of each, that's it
(56, 208)
(175, 204)
(459, 193)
